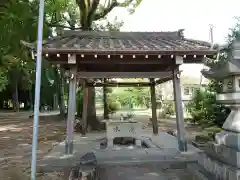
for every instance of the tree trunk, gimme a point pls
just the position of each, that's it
(105, 105)
(1, 104)
(92, 121)
(84, 109)
(30, 99)
(16, 102)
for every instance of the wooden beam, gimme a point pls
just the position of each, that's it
(163, 80)
(167, 61)
(123, 74)
(126, 59)
(121, 84)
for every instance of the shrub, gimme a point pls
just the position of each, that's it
(211, 131)
(205, 110)
(113, 106)
(202, 138)
(167, 109)
(130, 115)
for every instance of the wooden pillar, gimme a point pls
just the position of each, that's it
(182, 143)
(85, 108)
(154, 107)
(105, 103)
(71, 112)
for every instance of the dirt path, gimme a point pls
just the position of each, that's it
(16, 139)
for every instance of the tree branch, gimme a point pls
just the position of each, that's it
(125, 3)
(111, 7)
(92, 11)
(61, 26)
(83, 6)
(106, 11)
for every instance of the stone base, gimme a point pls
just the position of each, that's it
(229, 155)
(68, 147)
(232, 121)
(215, 166)
(228, 138)
(138, 142)
(220, 160)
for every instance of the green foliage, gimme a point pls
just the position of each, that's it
(113, 105)
(3, 80)
(19, 20)
(205, 110)
(136, 96)
(167, 109)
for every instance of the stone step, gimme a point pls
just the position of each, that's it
(107, 159)
(199, 172)
(150, 171)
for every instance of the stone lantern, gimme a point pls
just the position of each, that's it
(223, 157)
(229, 74)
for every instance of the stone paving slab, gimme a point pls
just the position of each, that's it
(161, 151)
(163, 141)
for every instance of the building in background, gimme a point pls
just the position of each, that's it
(188, 85)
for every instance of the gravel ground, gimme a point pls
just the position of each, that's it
(15, 145)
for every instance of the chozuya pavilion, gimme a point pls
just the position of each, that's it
(155, 55)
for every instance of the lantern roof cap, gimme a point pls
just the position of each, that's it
(229, 67)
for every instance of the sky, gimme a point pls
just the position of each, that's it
(192, 15)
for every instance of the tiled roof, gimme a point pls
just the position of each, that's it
(124, 42)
